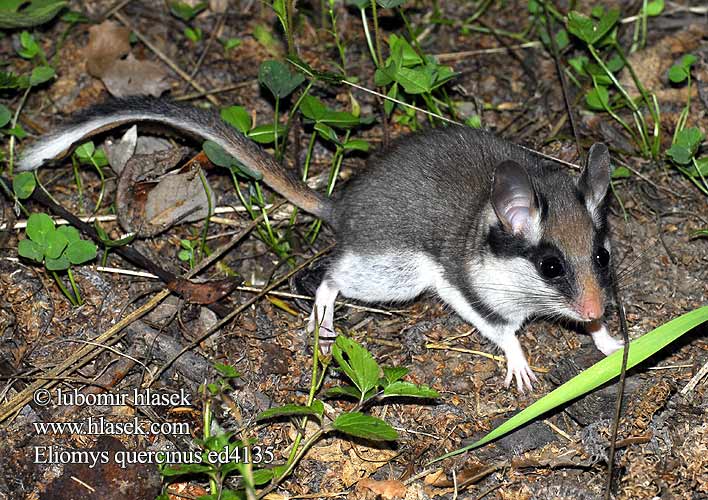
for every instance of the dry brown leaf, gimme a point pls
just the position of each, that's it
(388, 490)
(179, 491)
(203, 293)
(329, 453)
(121, 151)
(348, 465)
(417, 491)
(437, 478)
(108, 42)
(151, 197)
(131, 76)
(177, 198)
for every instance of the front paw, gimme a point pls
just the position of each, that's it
(605, 342)
(518, 368)
(609, 345)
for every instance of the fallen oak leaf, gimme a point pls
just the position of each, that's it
(388, 490)
(178, 198)
(150, 199)
(131, 76)
(108, 42)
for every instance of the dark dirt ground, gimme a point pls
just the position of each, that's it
(663, 435)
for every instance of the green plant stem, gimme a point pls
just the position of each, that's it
(60, 44)
(642, 91)
(305, 171)
(641, 124)
(275, 126)
(619, 120)
(335, 34)
(336, 165)
(625, 215)
(45, 192)
(683, 117)
(102, 191)
(325, 429)
(555, 12)
(657, 126)
(315, 384)
(247, 205)
(611, 76)
(264, 212)
(333, 173)
(275, 240)
(314, 231)
(249, 208)
(521, 37)
(643, 134)
(430, 103)
(11, 195)
(644, 16)
(206, 432)
(572, 78)
(266, 235)
(64, 289)
(314, 387)
(77, 179)
(289, 469)
(700, 174)
(308, 156)
(638, 28)
(289, 10)
(205, 231)
(377, 34)
(367, 35)
(77, 294)
(449, 103)
(293, 111)
(479, 12)
(15, 119)
(687, 173)
(409, 29)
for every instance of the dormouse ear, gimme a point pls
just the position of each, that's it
(595, 179)
(514, 199)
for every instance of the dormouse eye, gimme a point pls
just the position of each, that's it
(602, 257)
(551, 267)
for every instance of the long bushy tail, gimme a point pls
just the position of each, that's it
(200, 123)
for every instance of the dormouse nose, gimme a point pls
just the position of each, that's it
(590, 306)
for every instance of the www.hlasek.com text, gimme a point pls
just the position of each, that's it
(96, 426)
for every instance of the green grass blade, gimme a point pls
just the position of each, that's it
(598, 374)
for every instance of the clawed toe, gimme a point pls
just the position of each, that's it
(517, 366)
(523, 375)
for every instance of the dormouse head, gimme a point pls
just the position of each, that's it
(549, 239)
